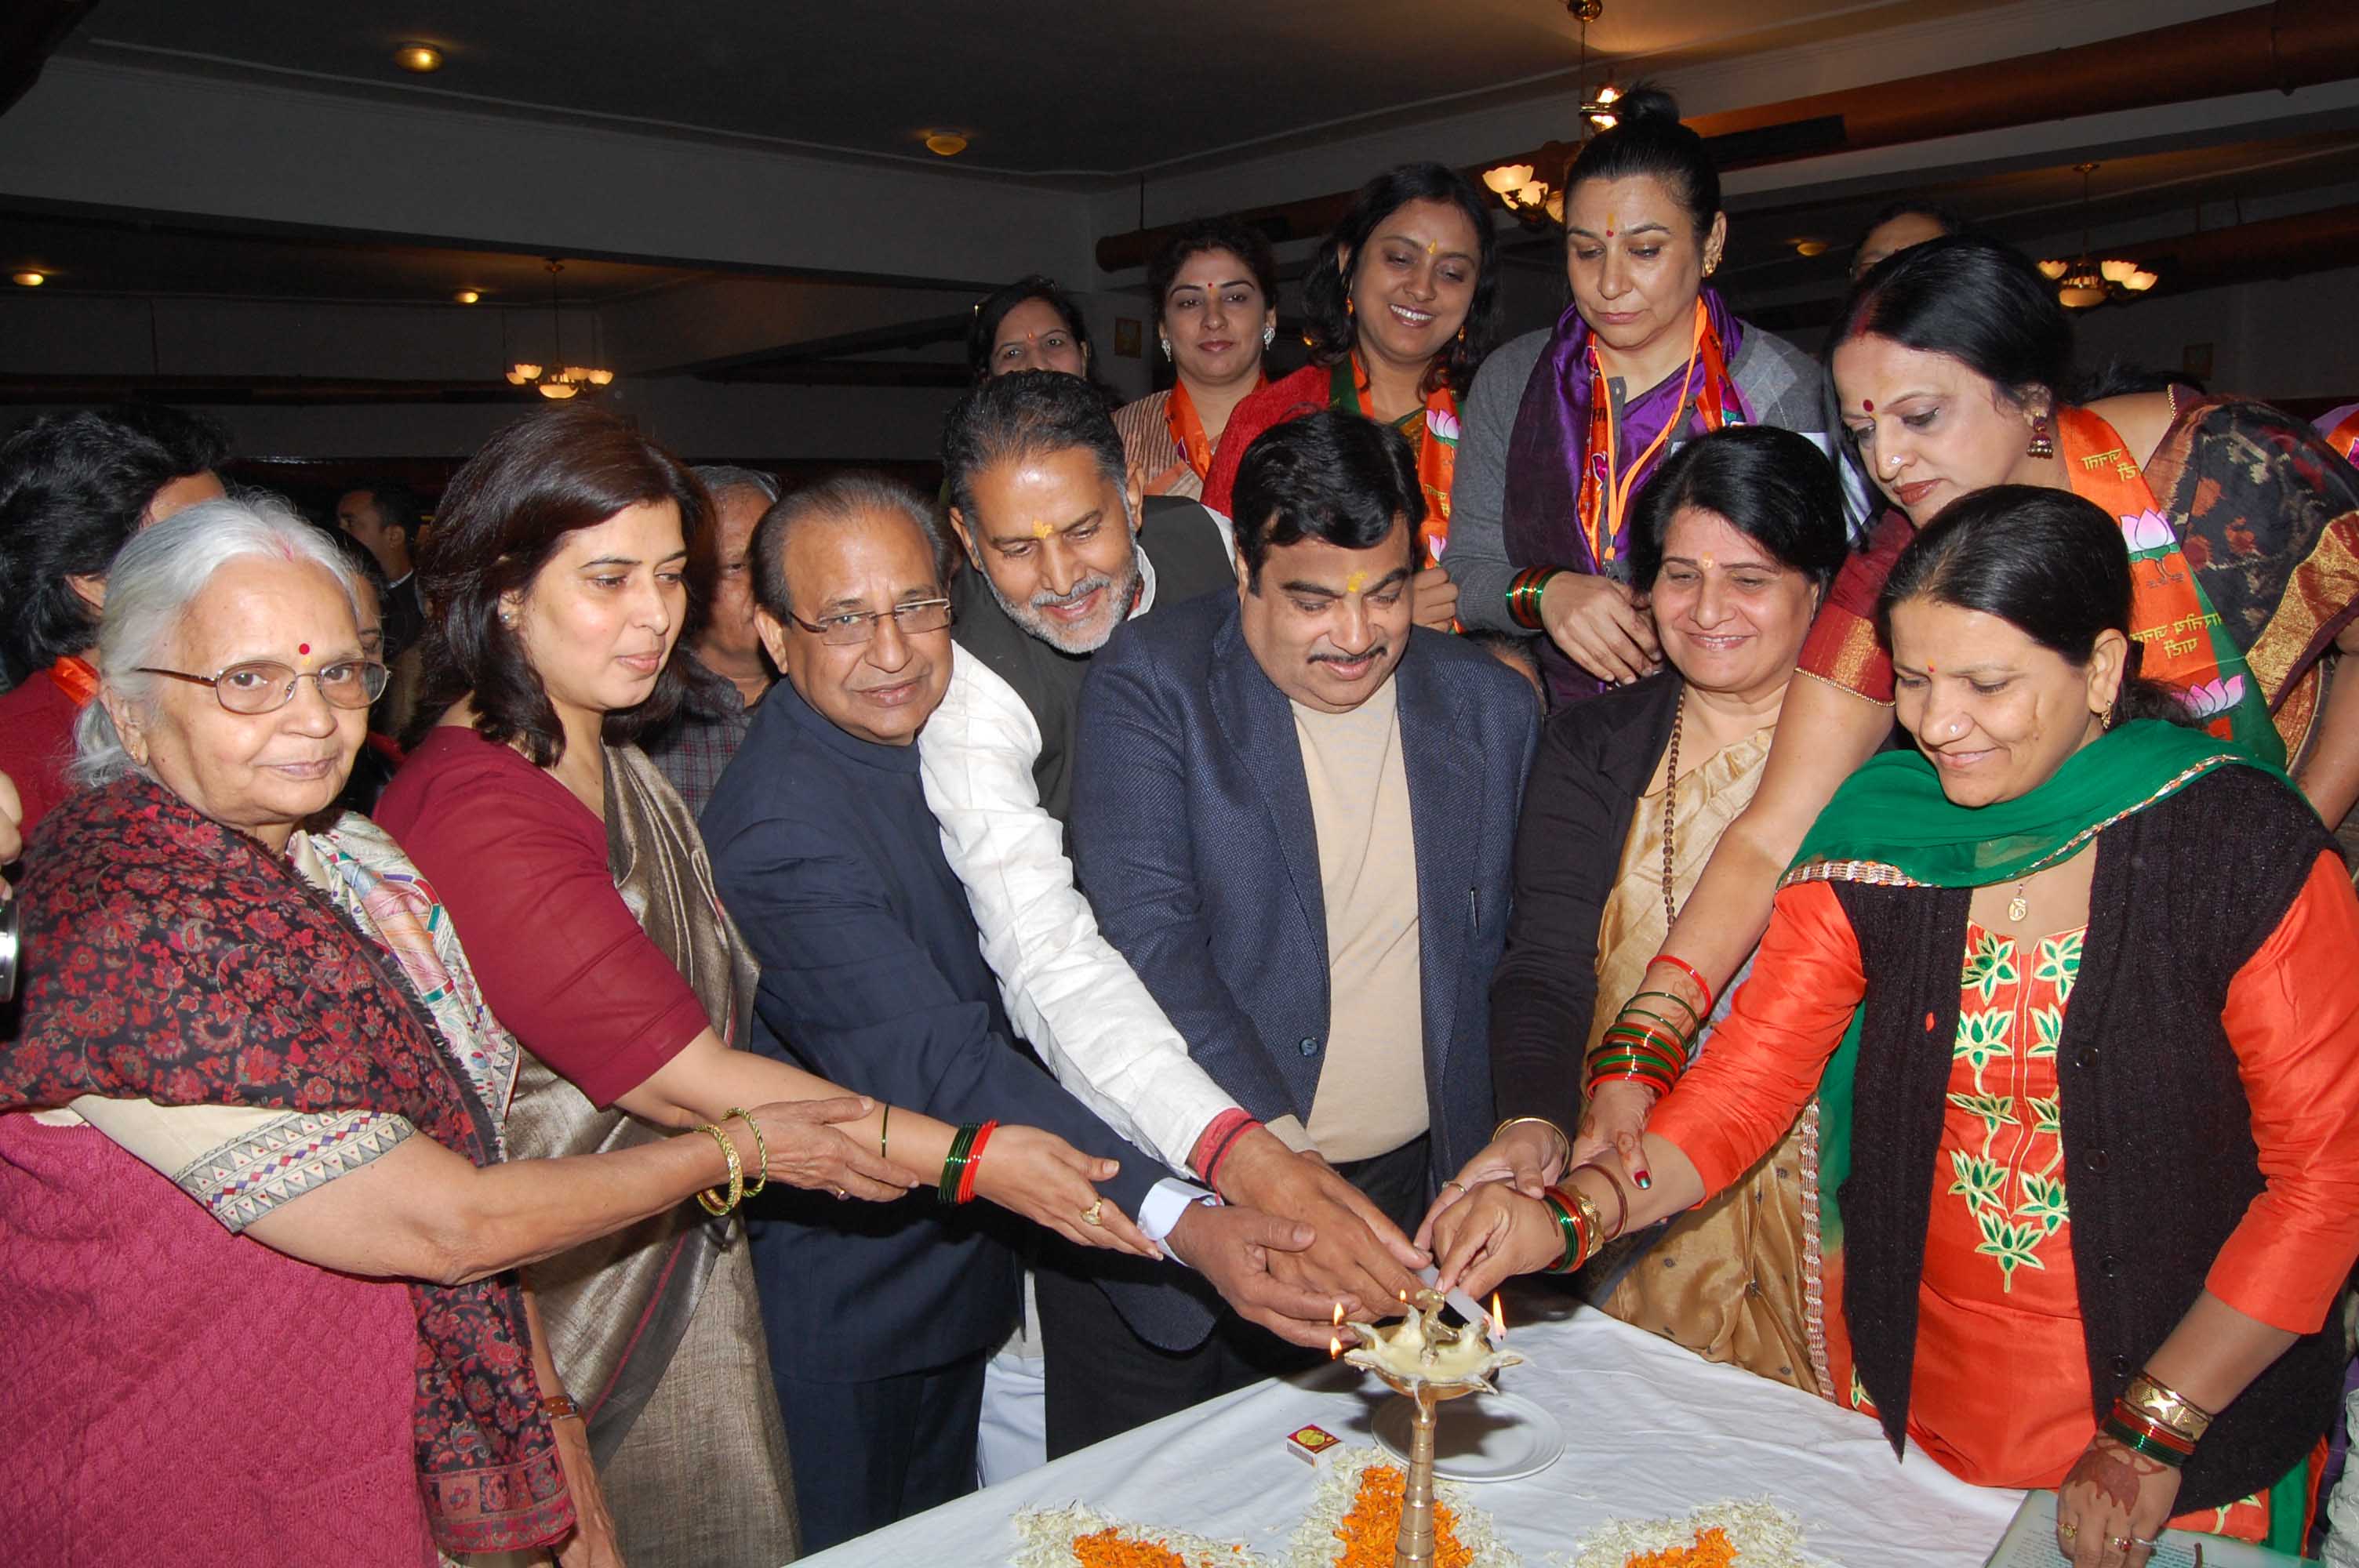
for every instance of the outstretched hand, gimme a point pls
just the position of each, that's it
(1528, 1156)
(2113, 1506)
(805, 1150)
(1356, 1255)
(1615, 1123)
(1038, 1174)
(1233, 1247)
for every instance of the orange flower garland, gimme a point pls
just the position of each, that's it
(1712, 1550)
(1110, 1548)
(1372, 1528)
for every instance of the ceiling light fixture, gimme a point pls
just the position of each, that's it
(468, 296)
(559, 381)
(28, 279)
(418, 58)
(1810, 247)
(1518, 186)
(945, 143)
(2082, 283)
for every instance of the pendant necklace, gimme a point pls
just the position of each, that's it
(2019, 906)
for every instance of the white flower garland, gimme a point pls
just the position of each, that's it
(1764, 1536)
(1316, 1544)
(1047, 1536)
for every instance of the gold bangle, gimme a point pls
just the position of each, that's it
(761, 1149)
(717, 1207)
(2167, 1407)
(1621, 1198)
(1566, 1143)
(884, 1132)
(1595, 1221)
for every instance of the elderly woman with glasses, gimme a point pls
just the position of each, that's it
(252, 1140)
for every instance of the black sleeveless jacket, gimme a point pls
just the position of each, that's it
(2158, 1154)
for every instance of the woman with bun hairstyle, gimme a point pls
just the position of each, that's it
(1402, 302)
(1564, 426)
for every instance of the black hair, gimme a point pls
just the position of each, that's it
(840, 497)
(1773, 486)
(2045, 561)
(361, 558)
(1327, 292)
(1647, 139)
(397, 507)
(1332, 476)
(1947, 219)
(993, 309)
(1029, 412)
(1247, 244)
(505, 515)
(73, 489)
(1974, 300)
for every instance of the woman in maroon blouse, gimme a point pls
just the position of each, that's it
(565, 565)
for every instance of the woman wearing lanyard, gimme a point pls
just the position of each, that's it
(1214, 288)
(1402, 302)
(1565, 426)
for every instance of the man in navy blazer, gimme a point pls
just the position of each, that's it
(880, 1316)
(1294, 813)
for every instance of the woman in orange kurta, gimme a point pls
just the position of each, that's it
(2135, 1165)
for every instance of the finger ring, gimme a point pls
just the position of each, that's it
(2120, 1542)
(1095, 1213)
(1447, 1185)
(2142, 1540)
(841, 1194)
(2067, 1529)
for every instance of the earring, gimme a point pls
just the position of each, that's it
(1347, 304)
(2042, 445)
(508, 619)
(1268, 336)
(1167, 348)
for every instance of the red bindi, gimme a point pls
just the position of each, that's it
(302, 647)
(1864, 403)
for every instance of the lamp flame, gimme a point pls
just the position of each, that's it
(1498, 1318)
(1335, 1340)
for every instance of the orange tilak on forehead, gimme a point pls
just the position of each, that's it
(1040, 529)
(1355, 582)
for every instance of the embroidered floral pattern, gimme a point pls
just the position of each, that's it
(2005, 1133)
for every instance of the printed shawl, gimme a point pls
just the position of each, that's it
(174, 960)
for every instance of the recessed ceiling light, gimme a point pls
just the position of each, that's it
(28, 279)
(1810, 247)
(467, 296)
(945, 143)
(419, 58)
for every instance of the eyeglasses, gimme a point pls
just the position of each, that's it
(854, 626)
(265, 685)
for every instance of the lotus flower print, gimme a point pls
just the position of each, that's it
(2149, 530)
(1441, 422)
(2215, 697)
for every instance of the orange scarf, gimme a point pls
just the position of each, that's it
(1186, 426)
(2186, 646)
(2345, 437)
(1432, 433)
(1605, 485)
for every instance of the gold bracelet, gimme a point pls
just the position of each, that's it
(2167, 1407)
(713, 1206)
(1499, 1131)
(761, 1149)
(884, 1132)
(1621, 1198)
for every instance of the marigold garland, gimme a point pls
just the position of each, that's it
(1712, 1548)
(1110, 1548)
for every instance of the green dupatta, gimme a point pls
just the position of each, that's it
(1891, 824)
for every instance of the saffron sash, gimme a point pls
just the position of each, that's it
(1433, 432)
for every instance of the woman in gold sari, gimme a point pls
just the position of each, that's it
(1734, 542)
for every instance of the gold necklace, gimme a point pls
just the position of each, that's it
(2019, 906)
(1671, 789)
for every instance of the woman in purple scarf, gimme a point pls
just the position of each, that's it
(1563, 426)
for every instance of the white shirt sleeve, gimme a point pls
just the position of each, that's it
(1065, 987)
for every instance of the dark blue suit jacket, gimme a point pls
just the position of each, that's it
(1193, 839)
(832, 865)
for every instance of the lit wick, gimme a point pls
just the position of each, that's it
(1335, 1340)
(1498, 1319)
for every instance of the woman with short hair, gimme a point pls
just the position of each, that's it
(2086, 1111)
(1734, 543)
(1214, 288)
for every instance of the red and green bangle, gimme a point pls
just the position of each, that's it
(2148, 1436)
(974, 1160)
(1582, 1227)
(1523, 595)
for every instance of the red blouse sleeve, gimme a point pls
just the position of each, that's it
(1842, 648)
(521, 866)
(1762, 1062)
(2293, 1020)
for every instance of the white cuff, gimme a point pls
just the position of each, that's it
(1159, 1212)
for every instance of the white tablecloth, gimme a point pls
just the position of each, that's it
(1650, 1431)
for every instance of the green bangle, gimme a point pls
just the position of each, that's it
(1682, 1003)
(2130, 1437)
(954, 1167)
(1632, 1006)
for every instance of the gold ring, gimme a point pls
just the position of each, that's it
(2067, 1529)
(1453, 1182)
(1095, 1213)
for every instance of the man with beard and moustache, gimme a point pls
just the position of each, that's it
(1061, 551)
(1294, 813)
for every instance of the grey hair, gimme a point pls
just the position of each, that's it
(841, 499)
(149, 587)
(721, 478)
